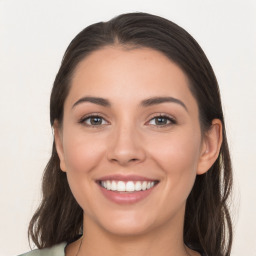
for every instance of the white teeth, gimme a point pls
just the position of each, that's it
(129, 186)
(138, 186)
(120, 186)
(113, 186)
(104, 184)
(108, 185)
(144, 185)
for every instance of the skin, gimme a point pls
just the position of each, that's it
(130, 141)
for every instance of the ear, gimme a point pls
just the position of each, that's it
(211, 147)
(59, 145)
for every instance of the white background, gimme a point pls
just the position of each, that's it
(33, 37)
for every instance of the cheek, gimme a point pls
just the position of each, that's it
(178, 157)
(82, 156)
(82, 153)
(178, 149)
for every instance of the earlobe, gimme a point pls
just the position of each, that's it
(211, 147)
(59, 145)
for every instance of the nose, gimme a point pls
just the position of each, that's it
(126, 146)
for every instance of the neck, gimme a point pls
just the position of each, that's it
(163, 241)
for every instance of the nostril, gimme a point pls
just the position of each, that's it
(125, 153)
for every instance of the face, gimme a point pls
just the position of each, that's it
(130, 141)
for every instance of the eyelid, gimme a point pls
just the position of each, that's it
(100, 115)
(169, 117)
(91, 115)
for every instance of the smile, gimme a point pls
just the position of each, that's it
(127, 186)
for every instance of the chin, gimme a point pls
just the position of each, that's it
(127, 224)
(127, 229)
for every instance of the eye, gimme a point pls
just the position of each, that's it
(93, 120)
(161, 120)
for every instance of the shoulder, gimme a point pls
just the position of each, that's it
(56, 250)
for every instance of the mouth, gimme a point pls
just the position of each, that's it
(129, 186)
(126, 189)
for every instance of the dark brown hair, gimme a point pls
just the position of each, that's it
(207, 224)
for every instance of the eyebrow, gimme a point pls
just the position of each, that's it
(159, 100)
(145, 103)
(95, 100)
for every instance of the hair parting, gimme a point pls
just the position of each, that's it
(208, 225)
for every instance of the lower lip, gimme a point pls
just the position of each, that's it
(126, 197)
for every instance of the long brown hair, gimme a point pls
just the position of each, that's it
(207, 224)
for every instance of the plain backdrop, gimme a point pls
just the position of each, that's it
(33, 37)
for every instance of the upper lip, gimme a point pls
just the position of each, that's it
(122, 177)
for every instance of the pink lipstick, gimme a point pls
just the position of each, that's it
(126, 189)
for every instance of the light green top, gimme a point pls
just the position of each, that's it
(56, 250)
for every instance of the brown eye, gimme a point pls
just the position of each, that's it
(161, 121)
(94, 121)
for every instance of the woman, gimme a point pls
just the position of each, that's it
(140, 163)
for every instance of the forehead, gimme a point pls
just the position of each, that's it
(130, 62)
(120, 73)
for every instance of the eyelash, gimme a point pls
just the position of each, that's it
(169, 119)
